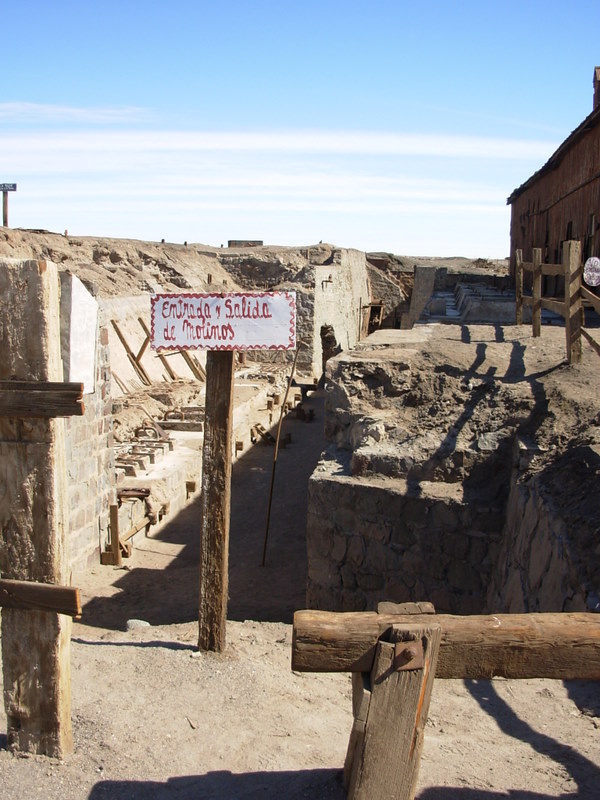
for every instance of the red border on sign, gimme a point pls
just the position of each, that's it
(291, 299)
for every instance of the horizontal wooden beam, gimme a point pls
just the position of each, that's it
(558, 306)
(41, 399)
(40, 597)
(561, 646)
(545, 269)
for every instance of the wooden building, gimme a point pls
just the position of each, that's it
(561, 201)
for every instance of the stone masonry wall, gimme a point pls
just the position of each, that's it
(549, 559)
(90, 466)
(382, 540)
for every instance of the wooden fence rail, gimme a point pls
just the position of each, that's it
(570, 307)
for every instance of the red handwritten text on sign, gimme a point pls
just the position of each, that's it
(241, 321)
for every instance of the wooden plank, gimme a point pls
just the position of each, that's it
(591, 341)
(573, 305)
(553, 269)
(591, 298)
(34, 521)
(195, 368)
(561, 646)
(215, 501)
(163, 360)
(537, 291)
(43, 399)
(40, 597)
(551, 304)
(361, 700)
(519, 267)
(387, 764)
(115, 544)
(139, 369)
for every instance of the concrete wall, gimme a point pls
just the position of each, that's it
(90, 466)
(341, 289)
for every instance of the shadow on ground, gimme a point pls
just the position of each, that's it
(169, 594)
(324, 784)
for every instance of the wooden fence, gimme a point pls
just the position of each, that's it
(570, 307)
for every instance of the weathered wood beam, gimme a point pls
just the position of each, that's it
(215, 501)
(33, 516)
(43, 399)
(590, 297)
(552, 304)
(561, 646)
(40, 597)
(385, 746)
(591, 340)
(133, 360)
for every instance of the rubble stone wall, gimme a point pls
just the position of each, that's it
(380, 540)
(549, 560)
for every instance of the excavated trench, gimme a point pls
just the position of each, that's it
(435, 486)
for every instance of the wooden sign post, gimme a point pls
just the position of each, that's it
(221, 324)
(5, 188)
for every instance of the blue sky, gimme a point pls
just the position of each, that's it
(396, 126)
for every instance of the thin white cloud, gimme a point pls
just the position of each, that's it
(41, 112)
(308, 142)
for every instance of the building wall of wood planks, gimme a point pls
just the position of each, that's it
(561, 202)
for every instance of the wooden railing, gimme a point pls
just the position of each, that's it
(570, 307)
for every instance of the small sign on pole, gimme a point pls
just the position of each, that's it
(5, 188)
(220, 323)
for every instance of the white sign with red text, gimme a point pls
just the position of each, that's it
(233, 321)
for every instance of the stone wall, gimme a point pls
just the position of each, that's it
(383, 540)
(446, 480)
(549, 559)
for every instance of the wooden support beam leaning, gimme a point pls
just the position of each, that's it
(26, 595)
(560, 646)
(42, 399)
(160, 356)
(133, 360)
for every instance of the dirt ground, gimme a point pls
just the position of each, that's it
(153, 718)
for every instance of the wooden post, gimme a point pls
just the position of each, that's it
(537, 291)
(385, 760)
(216, 500)
(5, 209)
(519, 286)
(33, 516)
(573, 305)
